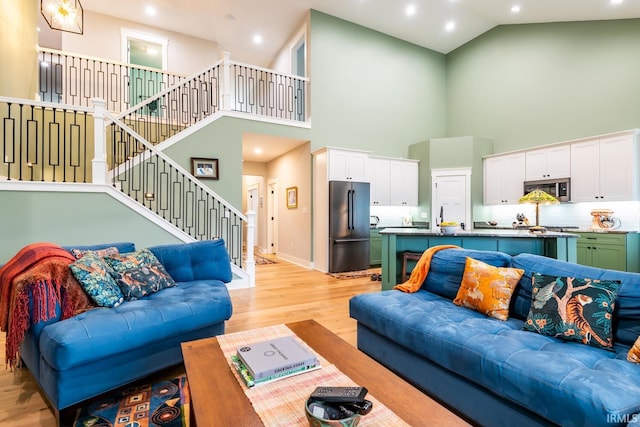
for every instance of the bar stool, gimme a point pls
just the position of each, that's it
(408, 256)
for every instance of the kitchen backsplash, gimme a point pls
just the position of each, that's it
(567, 214)
(391, 216)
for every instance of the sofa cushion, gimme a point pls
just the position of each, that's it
(94, 275)
(573, 309)
(566, 382)
(487, 289)
(447, 268)
(626, 318)
(203, 260)
(135, 324)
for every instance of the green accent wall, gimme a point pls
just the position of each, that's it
(371, 91)
(70, 219)
(535, 84)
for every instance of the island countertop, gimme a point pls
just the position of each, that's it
(407, 231)
(400, 241)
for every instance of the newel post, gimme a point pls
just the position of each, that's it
(99, 162)
(251, 262)
(226, 81)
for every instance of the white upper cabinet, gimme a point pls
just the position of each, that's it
(379, 177)
(504, 178)
(394, 182)
(348, 165)
(605, 169)
(404, 183)
(548, 163)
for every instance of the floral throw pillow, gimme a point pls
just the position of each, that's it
(487, 289)
(139, 273)
(573, 309)
(94, 276)
(79, 253)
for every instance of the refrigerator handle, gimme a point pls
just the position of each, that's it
(352, 208)
(348, 209)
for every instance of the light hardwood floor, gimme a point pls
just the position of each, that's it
(284, 293)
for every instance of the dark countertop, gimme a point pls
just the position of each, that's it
(412, 231)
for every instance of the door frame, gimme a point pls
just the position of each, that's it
(464, 172)
(126, 34)
(254, 205)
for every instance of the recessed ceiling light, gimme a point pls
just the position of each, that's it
(410, 10)
(257, 150)
(257, 39)
(616, 1)
(515, 9)
(150, 10)
(450, 26)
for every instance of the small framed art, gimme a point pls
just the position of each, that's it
(292, 197)
(204, 168)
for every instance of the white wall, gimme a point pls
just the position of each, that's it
(282, 61)
(102, 38)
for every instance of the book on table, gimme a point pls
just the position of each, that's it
(274, 359)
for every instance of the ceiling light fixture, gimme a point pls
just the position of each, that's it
(515, 9)
(150, 10)
(450, 26)
(616, 1)
(257, 39)
(257, 150)
(410, 10)
(63, 15)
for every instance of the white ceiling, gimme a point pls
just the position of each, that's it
(233, 23)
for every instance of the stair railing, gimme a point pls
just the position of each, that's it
(144, 173)
(74, 79)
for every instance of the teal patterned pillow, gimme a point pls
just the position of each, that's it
(94, 276)
(139, 273)
(573, 309)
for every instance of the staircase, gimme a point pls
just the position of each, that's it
(125, 147)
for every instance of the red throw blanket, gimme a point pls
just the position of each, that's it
(39, 269)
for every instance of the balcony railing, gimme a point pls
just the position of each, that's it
(72, 79)
(45, 142)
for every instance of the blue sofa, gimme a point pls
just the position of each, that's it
(104, 348)
(491, 371)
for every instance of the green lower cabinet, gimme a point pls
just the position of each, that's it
(614, 251)
(375, 247)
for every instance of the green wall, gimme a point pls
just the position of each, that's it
(71, 218)
(372, 91)
(528, 85)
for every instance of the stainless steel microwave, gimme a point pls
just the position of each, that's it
(559, 188)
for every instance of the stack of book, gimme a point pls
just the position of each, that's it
(267, 361)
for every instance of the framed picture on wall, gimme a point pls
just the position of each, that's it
(204, 168)
(292, 197)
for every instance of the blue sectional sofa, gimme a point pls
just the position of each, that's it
(491, 371)
(104, 348)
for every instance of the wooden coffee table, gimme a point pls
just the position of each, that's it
(217, 398)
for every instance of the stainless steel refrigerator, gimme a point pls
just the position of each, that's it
(348, 226)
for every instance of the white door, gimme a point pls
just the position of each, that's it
(451, 197)
(252, 205)
(272, 217)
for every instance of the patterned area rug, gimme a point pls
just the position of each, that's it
(165, 404)
(355, 274)
(262, 260)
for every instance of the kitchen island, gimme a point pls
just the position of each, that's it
(396, 241)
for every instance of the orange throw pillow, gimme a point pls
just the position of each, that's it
(487, 289)
(634, 352)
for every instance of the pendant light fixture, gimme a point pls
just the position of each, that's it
(63, 15)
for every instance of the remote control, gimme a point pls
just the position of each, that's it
(339, 394)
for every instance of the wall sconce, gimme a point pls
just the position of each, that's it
(63, 15)
(538, 197)
(149, 196)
